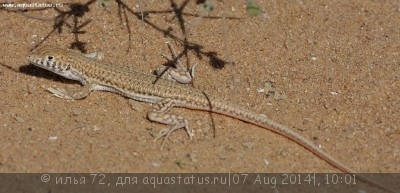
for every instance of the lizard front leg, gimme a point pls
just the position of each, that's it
(79, 93)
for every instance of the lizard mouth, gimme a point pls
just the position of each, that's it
(32, 59)
(47, 63)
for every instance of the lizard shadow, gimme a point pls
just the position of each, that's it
(35, 71)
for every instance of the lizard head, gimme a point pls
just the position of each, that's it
(55, 60)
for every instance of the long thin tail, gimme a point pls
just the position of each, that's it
(285, 131)
(240, 113)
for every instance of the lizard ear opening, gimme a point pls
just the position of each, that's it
(68, 67)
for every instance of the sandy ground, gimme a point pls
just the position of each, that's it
(335, 69)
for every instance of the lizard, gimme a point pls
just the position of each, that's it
(95, 74)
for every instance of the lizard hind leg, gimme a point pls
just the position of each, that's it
(159, 113)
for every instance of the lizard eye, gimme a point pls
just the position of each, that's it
(50, 61)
